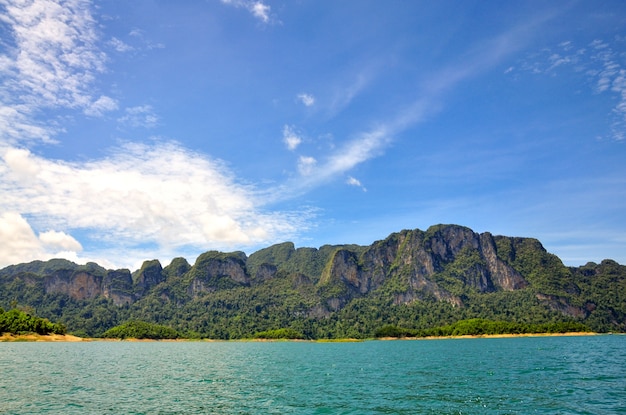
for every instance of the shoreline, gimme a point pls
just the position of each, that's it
(31, 337)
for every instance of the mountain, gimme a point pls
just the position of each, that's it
(413, 279)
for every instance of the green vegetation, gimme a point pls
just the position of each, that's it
(289, 334)
(409, 283)
(19, 322)
(141, 330)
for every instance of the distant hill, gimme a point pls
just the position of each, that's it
(412, 279)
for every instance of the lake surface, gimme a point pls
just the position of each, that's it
(528, 375)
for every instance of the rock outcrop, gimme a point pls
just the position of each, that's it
(440, 263)
(149, 275)
(414, 258)
(215, 270)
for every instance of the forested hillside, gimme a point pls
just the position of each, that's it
(413, 279)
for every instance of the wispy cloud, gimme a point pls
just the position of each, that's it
(160, 194)
(142, 42)
(257, 8)
(366, 146)
(120, 46)
(307, 99)
(347, 91)
(355, 182)
(101, 106)
(50, 62)
(17, 125)
(140, 116)
(54, 60)
(291, 139)
(306, 165)
(372, 142)
(599, 62)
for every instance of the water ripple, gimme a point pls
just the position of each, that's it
(547, 375)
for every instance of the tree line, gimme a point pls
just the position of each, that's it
(19, 322)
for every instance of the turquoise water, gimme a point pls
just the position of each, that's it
(541, 375)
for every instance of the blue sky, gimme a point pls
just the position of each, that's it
(156, 129)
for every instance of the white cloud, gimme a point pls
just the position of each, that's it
(306, 165)
(161, 194)
(355, 182)
(50, 61)
(25, 246)
(55, 58)
(140, 116)
(100, 106)
(345, 93)
(60, 241)
(307, 99)
(291, 138)
(23, 242)
(16, 125)
(600, 63)
(120, 46)
(258, 9)
(368, 145)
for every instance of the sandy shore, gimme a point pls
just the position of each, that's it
(6, 337)
(502, 336)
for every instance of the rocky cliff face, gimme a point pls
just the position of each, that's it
(413, 258)
(214, 271)
(118, 286)
(410, 265)
(149, 275)
(86, 285)
(78, 285)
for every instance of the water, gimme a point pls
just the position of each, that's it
(542, 375)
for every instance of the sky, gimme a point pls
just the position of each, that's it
(154, 129)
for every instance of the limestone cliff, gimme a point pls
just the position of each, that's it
(215, 270)
(444, 263)
(148, 276)
(79, 285)
(421, 262)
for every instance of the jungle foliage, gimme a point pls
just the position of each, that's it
(141, 330)
(343, 291)
(19, 322)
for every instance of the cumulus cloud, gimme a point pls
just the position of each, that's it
(161, 194)
(258, 9)
(26, 246)
(291, 139)
(307, 99)
(60, 241)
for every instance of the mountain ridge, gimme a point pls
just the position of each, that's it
(449, 268)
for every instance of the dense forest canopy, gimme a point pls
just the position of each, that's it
(19, 322)
(413, 281)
